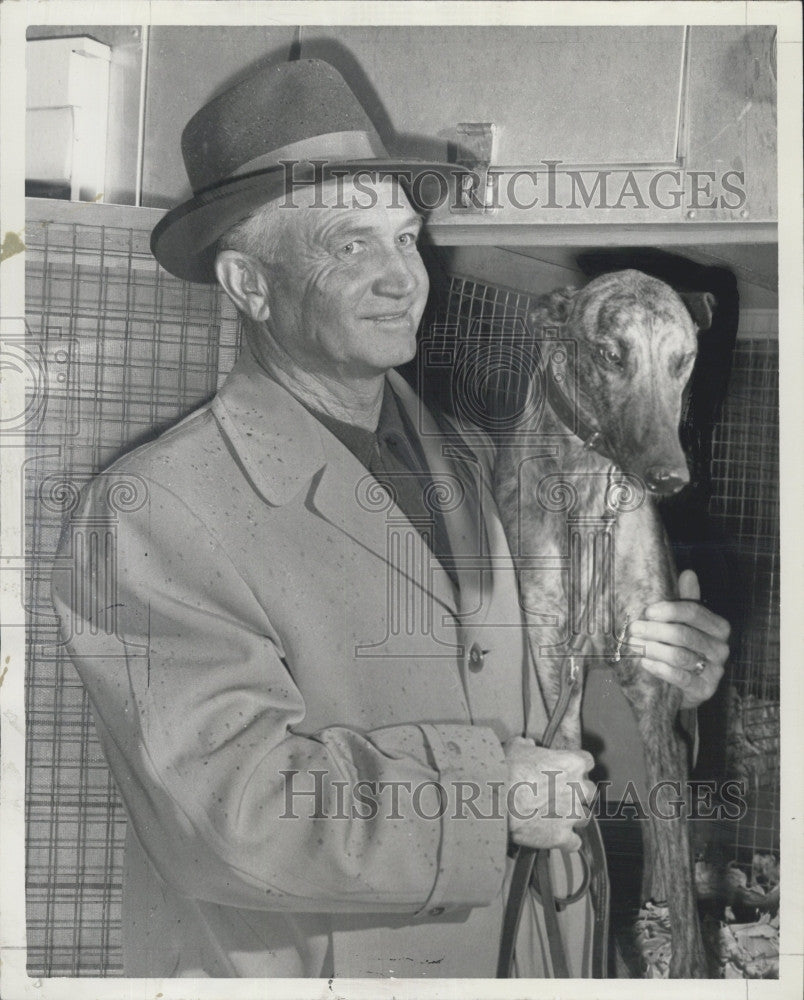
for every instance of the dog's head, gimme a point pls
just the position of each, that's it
(636, 345)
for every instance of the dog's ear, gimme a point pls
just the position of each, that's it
(700, 306)
(552, 309)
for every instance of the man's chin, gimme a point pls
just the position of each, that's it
(381, 350)
(396, 355)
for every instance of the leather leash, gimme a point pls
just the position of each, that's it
(592, 854)
(532, 867)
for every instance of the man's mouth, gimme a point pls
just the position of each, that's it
(390, 317)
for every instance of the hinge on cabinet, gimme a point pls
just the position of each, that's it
(473, 148)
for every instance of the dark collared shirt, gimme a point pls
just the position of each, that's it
(393, 455)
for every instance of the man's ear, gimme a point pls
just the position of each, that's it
(245, 281)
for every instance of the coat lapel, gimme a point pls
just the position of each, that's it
(276, 440)
(285, 451)
(465, 519)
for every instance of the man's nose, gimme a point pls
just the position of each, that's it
(398, 276)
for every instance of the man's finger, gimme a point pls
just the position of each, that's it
(695, 688)
(572, 761)
(688, 587)
(689, 613)
(676, 676)
(702, 644)
(587, 799)
(675, 656)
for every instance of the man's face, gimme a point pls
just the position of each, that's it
(347, 284)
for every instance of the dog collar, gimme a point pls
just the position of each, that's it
(570, 414)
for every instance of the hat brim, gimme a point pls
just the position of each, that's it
(184, 241)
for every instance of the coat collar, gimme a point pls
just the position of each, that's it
(284, 450)
(277, 441)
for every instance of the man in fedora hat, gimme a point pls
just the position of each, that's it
(315, 694)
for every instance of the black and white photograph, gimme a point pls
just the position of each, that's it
(401, 520)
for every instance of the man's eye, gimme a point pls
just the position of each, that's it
(408, 239)
(610, 357)
(351, 248)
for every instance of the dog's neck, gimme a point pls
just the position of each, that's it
(570, 414)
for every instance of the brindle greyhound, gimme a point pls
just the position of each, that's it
(596, 468)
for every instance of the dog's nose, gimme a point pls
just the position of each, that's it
(666, 482)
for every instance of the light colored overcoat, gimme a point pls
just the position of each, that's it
(254, 618)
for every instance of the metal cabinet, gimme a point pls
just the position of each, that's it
(641, 125)
(732, 120)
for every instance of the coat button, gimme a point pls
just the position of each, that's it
(436, 911)
(476, 657)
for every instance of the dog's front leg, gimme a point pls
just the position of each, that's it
(645, 573)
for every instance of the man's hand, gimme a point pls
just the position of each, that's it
(547, 792)
(685, 643)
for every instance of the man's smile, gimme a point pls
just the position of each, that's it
(390, 317)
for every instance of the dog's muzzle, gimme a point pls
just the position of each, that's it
(666, 482)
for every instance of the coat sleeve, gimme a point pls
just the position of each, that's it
(203, 729)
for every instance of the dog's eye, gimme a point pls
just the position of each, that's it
(610, 357)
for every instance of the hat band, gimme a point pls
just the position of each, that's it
(356, 145)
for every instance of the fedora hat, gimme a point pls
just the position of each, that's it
(296, 120)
